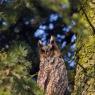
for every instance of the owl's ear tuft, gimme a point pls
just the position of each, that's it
(40, 44)
(53, 43)
(52, 40)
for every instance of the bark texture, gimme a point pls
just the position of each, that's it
(85, 70)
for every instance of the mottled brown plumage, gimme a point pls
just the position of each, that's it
(52, 76)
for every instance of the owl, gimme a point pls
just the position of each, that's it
(52, 76)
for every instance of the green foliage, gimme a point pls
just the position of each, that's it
(14, 76)
(12, 11)
(55, 4)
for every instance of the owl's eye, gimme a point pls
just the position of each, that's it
(51, 47)
(42, 50)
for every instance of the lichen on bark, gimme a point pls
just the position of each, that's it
(85, 69)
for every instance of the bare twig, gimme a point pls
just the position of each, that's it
(82, 8)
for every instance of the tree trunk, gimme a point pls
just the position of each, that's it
(85, 70)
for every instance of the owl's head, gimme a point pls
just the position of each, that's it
(49, 50)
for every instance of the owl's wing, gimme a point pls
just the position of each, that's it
(42, 79)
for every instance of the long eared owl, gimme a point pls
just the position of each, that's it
(52, 76)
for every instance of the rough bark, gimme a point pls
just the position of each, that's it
(85, 70)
